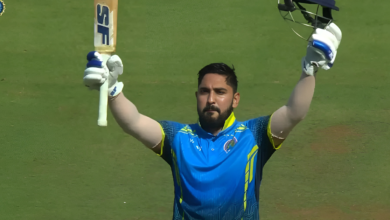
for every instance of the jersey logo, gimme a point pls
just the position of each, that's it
(229, 144)
(241, 128)
(103, 19)
(187, 130)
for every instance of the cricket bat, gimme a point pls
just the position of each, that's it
(105, 24)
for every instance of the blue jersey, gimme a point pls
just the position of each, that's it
(217, 177)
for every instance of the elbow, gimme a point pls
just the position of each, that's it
(126, 127)
(129, 130)
(296, 118)
(302, 117)
(130, 125)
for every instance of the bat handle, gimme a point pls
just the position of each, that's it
(103, 97)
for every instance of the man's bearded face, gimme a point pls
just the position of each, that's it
(215, 101)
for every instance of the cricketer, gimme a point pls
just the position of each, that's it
(217, 163)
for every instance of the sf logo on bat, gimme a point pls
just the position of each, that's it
(103, 23)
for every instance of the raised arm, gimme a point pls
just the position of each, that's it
(289, 115)
(144, 129)
(321, 52)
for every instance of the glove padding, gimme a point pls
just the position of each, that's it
(322, 49)
(97, 72)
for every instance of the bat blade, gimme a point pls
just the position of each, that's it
(105, 29)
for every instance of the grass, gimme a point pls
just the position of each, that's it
(56, 163)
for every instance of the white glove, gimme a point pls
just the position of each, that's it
(322, 49)
(97, 72)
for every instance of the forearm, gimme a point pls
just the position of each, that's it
(285, 118)
(124, 112)
(132, 122)
(300, 99)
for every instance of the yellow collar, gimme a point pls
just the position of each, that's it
(229, 121)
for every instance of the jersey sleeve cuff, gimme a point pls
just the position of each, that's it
(269, 134)
(162, 141)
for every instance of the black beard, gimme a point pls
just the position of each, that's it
(208, 123)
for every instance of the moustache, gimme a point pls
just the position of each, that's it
(212, 108)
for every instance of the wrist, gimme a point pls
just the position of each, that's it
(112, 98)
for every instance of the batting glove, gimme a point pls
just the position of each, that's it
(97, 72)
(322, 49)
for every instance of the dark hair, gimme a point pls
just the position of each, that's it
(221, 69)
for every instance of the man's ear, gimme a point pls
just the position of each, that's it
(236, 99)
(196, 94)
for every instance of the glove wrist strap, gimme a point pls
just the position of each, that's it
(115, 89)
(308, 67)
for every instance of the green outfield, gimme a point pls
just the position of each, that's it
(56, 163)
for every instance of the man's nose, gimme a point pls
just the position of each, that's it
(211, 98)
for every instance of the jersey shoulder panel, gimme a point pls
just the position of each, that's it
(169, 130)
(258, 127)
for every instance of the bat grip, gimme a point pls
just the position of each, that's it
(103, 97)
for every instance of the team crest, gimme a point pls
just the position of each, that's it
(229, 144)
(2, 7)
